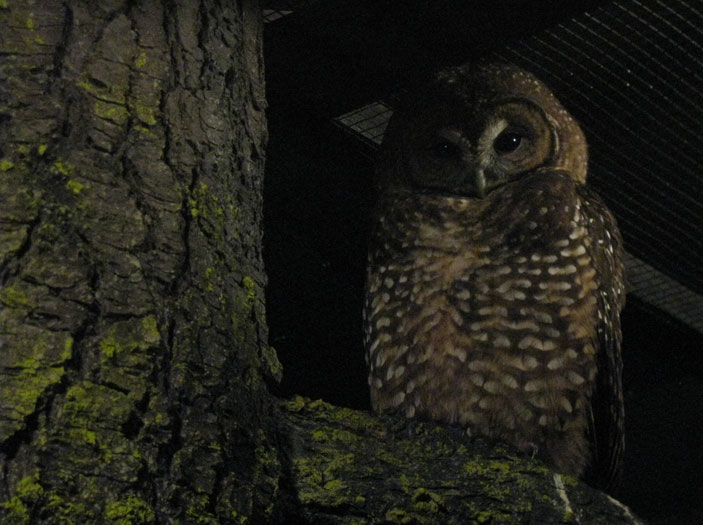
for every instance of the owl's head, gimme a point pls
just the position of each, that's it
(474, 128)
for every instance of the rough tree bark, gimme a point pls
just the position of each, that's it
(132, 322)
(133, 343)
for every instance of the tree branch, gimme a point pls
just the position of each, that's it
(348, 466)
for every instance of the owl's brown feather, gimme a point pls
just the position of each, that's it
(501, 314)
(606, 409)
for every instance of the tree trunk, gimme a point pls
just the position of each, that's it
(133, 338)
(133, 342)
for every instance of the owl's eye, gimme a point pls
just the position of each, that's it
(444, 150)
(507, 142)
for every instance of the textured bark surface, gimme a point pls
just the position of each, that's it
(133, 344)
(351, 467)
(132, 331)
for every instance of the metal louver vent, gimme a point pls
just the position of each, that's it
(276, 9)
(368, 123)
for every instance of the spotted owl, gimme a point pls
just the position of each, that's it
(495, 275)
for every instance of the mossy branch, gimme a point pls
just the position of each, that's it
(348, 466)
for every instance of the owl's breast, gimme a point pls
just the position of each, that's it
(518, 216)
(482, 312)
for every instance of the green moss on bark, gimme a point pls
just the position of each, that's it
(347, 463)
(129, 511)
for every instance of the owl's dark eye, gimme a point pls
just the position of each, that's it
(507, 142)
(444, 150)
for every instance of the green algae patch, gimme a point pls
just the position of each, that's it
(64, 511)
(250, 287)
(64, 168)
(15, 511)
(145, 114)
(11, 241)
(295, 404)
(14, 297)
(321, 486)
(205, 204)
(6, 164)
(426, 501)
(334, 485)
(322, 476)
(129, 511)
(27, 493)
(141, 60)
(108, 98)
(91, 418)
(37, 361)
(113, 112)
(89, 403)
(29, 489)
(126, 359)
(396, 515)
(323, 472)
(32, 381)
(320, 435)
(67, 349)
(491, 516)
(271, 362)
(209, 271)
(74, 186)
(197, 511)
(150, 330)
(109, 347)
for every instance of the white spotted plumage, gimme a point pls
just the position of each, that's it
(495, 275)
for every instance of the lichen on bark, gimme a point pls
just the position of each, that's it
(350, 467)
(131, 309)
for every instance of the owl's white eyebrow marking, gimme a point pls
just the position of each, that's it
(485, 142)
(494, 127)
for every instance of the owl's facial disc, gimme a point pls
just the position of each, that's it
(460, 165)
(448, 164)
(482, 148)
(455, 164)
(516, 138)
(499, 147)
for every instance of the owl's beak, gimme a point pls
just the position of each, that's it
(480, 183)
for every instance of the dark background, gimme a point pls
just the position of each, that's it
(629, 71)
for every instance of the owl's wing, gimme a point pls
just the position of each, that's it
(606, 407)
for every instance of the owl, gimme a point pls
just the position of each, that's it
(495, 275)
